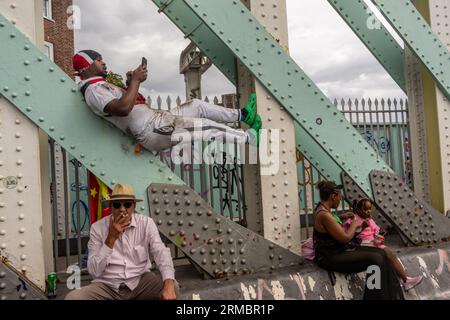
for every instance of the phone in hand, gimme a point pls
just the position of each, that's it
(144, 61)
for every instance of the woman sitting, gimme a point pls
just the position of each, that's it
(335, 250)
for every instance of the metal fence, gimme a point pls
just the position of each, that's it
(383, 123)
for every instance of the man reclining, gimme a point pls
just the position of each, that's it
(158, 130)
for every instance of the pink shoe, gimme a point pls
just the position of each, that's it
(411, 282)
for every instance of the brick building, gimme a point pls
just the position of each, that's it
(59, 39)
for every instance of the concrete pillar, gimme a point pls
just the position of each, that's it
(272, 196)
(430, 116)
(25, 214)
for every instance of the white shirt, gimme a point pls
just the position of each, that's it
(129, 258)
(99, 94)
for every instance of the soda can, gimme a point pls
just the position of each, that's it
(51, 285)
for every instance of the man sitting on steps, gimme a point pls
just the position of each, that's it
(158, 130)
(119, 249)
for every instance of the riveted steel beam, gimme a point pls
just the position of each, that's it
(305, 144)
(224, 59)
(50, 99)
(417, 220)
(434, 120)
(375, 36)
(417, 34)
(15, 286)
(182, 15)
(218, 246)
(278, 73)
(292, 88)
(25, 212)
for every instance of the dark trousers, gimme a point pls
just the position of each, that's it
(358, 260)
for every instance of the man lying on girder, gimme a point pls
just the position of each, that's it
(158, 130)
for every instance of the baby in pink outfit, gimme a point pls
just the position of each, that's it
(370, 236)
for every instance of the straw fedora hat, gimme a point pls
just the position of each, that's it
(122, 192)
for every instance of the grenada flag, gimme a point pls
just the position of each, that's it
(98, 191)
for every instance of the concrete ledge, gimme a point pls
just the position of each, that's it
(312, 283)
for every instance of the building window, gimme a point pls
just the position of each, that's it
(48, 9)
(48, 50)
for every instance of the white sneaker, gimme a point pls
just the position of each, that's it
(411, 282)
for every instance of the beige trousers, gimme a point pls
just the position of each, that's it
(149, 288)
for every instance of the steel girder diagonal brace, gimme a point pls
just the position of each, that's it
(361, 19)
(224, 59)
(417, 34)
(50, 99)
(249, 42)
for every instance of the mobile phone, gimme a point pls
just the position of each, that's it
(144, 61)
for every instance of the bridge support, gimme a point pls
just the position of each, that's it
(272, 209)
(430, 114)
(25, 214)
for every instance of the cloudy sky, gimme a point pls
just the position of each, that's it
(320, 42)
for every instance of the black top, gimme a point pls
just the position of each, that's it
(324, 243)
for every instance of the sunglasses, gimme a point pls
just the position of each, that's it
(118, 204)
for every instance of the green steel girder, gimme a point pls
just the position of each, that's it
(417, 34)
(178, 12)
(188, 22)
(49, 98)
(287, 82)
(378, 40)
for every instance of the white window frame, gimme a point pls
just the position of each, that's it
(49, 45)
(49, 13)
